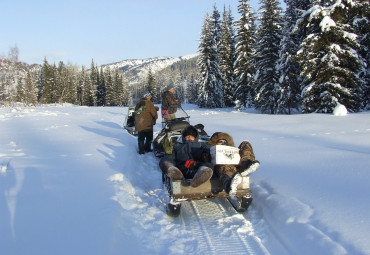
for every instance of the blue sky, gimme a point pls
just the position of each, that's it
(77, 31)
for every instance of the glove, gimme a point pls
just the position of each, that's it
(190, 164)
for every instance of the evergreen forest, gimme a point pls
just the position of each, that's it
(309, 57)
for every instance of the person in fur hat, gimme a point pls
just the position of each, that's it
(231, 175)
(190, 159)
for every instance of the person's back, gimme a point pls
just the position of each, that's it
(145, 118)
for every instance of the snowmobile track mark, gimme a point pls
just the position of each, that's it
(214, 233)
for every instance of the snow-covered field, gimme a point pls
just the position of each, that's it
(71, 182)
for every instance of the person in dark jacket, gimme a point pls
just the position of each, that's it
(169, 104)
(231, 175)
(145, 118)
(190, 159)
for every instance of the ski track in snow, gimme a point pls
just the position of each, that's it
(220, 229)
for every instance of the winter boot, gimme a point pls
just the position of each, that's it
(203, 175)
(174, 173)
(141, 147)
(248, 166)
(148, 147)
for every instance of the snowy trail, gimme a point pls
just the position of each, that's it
(73, 176)
(204, 226)
(220, 229)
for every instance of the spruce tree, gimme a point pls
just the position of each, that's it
(211, 93)
(267, 55)
(101, 90)
(47, 83)
(289, 78)
(31, 88)
(227, 57)
(20, 91)
(109, 98)
(151, 86)
(71, 84)
(244, 63)
(361, 23)
(89, 91)
(329, 59)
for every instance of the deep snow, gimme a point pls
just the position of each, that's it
(71, 182)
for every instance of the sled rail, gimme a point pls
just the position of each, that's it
(212, 189)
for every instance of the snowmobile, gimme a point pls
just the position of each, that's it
(129, 122)
(180, 190)
(171, 131)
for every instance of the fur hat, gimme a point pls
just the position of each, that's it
(170, 87)
(221, 136)
(190, 130)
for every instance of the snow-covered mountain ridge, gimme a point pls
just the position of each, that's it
(155, 64)
(138, 68)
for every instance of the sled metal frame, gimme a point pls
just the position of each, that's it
(185, 118)
(180, 191)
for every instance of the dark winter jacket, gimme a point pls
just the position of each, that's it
(184, 150)
(145, 115)
(169, 102)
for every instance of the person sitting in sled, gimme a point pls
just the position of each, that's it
(231, 175)
(169, 104)
(189, 159)
(145, 118)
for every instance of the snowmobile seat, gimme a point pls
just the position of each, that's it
(176, 125)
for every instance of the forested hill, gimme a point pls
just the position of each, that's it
(136, 70)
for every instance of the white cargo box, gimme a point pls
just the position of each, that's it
(225, 155)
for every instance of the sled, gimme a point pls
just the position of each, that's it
(129, 122)
(180, 191)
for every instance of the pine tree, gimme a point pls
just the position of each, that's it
(290, 92)
(30, 88)
(329, 59)
(267, 55)
(192, 89)
(244, 63)
(151, 86)
(20, 90)
(361, 23)
(48, 83)
(88, 91)
(80, 89)
(61, 79)
(70, 95)
(101, 88)
(109, 97)
(227, 57)
(211, 93)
